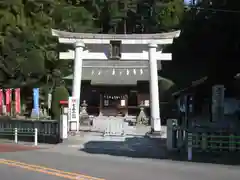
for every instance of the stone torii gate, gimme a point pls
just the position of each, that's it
(116, 43)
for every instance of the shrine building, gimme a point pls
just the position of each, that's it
(115, 73)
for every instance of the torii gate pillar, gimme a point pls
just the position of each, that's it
(154, 94)
(77, 72)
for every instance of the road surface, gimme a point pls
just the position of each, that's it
(11, 173)
(53, 165)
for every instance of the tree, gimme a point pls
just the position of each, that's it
(70, 16)
(28, 52)
(24, 31)
(208, 44)
(135, 16)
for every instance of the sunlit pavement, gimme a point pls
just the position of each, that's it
(110, 167)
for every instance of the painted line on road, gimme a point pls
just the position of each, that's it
(47, 170)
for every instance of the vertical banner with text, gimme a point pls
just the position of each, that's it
(1, 101)
(17, 101)
(8, 100)
(36, 101)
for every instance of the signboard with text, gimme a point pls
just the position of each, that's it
(73, 116)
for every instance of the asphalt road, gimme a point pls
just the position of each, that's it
(12, 173)
(111, 168)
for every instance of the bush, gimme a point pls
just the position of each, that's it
(59, 94)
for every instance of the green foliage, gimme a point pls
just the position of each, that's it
(74, 19)
(169, 16)
(209, 43)
(135, 16)
(29, 53)
(23, 24)
(60, 93)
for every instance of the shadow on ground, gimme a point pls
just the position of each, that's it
(155, 148)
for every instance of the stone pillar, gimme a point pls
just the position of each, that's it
(154, 95)
(64, 126)
(77, 75)
(218, 93)
(171, 134)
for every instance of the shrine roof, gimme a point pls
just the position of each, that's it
(194, 84)
(65, 34)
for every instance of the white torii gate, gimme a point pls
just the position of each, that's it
(152, 55)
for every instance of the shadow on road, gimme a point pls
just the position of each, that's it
(155, 148)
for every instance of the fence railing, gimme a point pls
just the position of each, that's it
(48, 130)
(212, 142)
(198, 138)
(15, 133)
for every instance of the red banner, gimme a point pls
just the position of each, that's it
(17, 101)
(1, 101)
(8, 100)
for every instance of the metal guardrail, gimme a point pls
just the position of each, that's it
(48, 130)
(212, 142)
(20, 132)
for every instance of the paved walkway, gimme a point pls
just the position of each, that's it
(136, 144)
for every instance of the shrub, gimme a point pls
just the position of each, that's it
(59, 93)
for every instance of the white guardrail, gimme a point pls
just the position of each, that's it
(20, 132)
